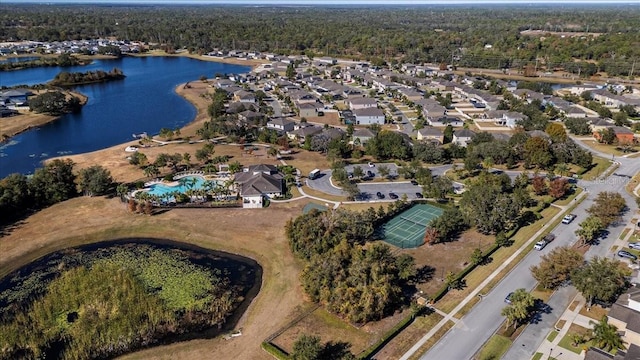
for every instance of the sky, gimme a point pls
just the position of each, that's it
(331, 2)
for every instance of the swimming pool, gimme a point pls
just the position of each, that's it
(184, 184)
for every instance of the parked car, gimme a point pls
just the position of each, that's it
(393, 195)
(542, 243)
(380, 195)
(371, 164)
(508, 298)
(628, 255)
(413, 182)
(419, 195)
(635, 245)
(567, 219)
(371, 174)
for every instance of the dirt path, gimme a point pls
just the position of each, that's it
(258, 234)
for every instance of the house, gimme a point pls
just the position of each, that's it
(15, 97)
(301, 133)
(280, 124)
(307, 110)
(369, 116)
(540, 134)
(623, 135)
(444, 121)
(258, 182)
(244, 97)
(6, 112)
(598, 124)
(511, 119)
(433, 110)
(362, 103)
(625, 315)
(250, 116)
(632, 353)
(361, 136)
(431, 134)
(462, 137)
(333, 133)
(528, 95)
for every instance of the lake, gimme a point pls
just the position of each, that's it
(145, 101)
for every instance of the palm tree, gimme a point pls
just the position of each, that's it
(606, 336)
(151, 171)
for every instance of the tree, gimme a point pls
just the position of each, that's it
(556, 267)
(536, 152)
(539, 185)
(431, 236)
(606, 336)
(556, 132)
(558, 187)
(95, 180)
(384, 171)
(358, 172)
(291, 72)
(607, 136)
(607, 207)
(522, 304)
(477, 257)
(589, 229)
(439, 187)
(53, 103)
(448, 225)
(600, 279)
(307, 347)
(53, 183)
(151, 171)
(578, 126)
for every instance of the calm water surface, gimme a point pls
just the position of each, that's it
(143, 102)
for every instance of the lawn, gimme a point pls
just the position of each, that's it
(432, 340)
(537, 356)
(600, 167)
(566, 341)
(596, 312)
(328, 327)
(494, 348)
(480, 273)
(607, 149)
(552, 336)
(409, 336)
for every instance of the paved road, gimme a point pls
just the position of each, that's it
(464, 339)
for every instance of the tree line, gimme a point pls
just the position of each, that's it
(53, 183)
(437, 34)
(77, 78)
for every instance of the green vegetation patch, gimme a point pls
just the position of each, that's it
(104, 302)
(495, 348)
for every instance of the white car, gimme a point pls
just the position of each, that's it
(540, 245)
(635, 245)
(567, 219)
(371, 164)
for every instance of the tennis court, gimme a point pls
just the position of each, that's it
(407, 229)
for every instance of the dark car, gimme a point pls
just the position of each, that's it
(393, 195)
(419, 195)
(380, 195)
(508, 298)
(413, 182)
(371, 174)
(626, 254)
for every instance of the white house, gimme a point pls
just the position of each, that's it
(362, 103)
(463, 137)
(369, 116)
(258, 182)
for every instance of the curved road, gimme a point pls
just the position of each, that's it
(475, 328)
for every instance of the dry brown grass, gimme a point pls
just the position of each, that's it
(253, 233)
(432, 340)
(450, 256)
(596, 312)
(409, 336)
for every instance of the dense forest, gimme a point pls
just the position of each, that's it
(62, 60)
(472, 36)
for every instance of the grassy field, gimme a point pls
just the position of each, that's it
(480, 273)
(600, 167)
(252, 233)
(494, 348)
(596, 312)
(409, 336)
(607, 149)
(552, 335)
(432, 340)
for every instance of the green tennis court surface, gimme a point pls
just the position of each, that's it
(407, 229)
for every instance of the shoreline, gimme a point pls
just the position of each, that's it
(253, 63)
(24, 122)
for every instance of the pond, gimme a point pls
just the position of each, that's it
(173, 274)
(145, 101)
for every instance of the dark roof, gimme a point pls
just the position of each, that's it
(621, 130)
(261, 183)
(464, 133)
(626, 315)
(363, 101)
(633, 352)
(364, 133)
(430, 131)
(372, 111)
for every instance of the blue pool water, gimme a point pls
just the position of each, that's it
(184, 184)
